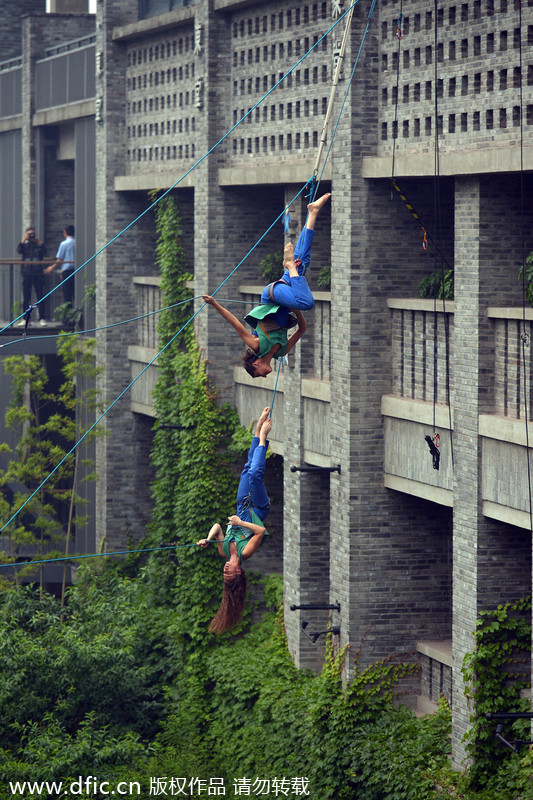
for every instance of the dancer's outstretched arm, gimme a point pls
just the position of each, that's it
(249, 340)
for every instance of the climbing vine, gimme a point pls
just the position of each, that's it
(495, 673)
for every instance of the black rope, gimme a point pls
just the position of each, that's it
(395, 123)
(525, 334)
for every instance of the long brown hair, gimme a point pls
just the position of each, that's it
(247, 360)
(232, 605)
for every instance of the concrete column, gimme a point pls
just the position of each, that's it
(33, 45)
(387, 551)
(122, 455)
(487, 571)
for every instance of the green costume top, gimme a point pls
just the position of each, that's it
(268, 332)
(241, 536)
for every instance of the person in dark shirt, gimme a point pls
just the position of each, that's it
(32, 250)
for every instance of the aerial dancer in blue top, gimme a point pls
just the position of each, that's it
(273, 317)
(245, 532)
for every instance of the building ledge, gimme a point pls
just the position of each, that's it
(438, 651)
(510, 312)
(419, 304)
(64, 113)
(226, 5)
(142, 408)
(281, 173)
(474, 161)
(505, 429)
(143, 182)
(143, 355)
(512, 516)
(147, 280)
(416, 411)
(13, 123)
(435, 494)
(146, 27)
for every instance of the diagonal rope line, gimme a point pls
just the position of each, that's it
(200, 160)
(115, 324)
(128, 387)
(101, 555)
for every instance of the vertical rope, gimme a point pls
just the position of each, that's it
(275, 389)
(395, 123)
(525, 334)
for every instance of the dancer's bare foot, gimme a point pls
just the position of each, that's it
(262, 418)
(265, 430)
(316, 205)
(288, 259)
(314, 210)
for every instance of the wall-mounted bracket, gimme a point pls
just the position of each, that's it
(314, 636)
(317, 469)
(316, 607)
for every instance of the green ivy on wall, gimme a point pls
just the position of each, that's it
(495, 673)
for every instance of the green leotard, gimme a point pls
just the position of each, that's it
(267, 338)
(241, 536)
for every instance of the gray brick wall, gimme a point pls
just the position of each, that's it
(476, 70)
(123, 454)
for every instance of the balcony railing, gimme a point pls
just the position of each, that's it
(11, 291)
(421, 350)
(513, 388)
(422, 353)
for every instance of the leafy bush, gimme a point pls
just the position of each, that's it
(525, 274)
(324, 277)
(271, 266)
(439, 285)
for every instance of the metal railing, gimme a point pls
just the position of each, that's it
(421, 350)
(11, 291)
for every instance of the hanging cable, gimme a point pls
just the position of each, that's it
(101, 555)
(524, 337)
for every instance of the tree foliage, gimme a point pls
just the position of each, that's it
(47, 420)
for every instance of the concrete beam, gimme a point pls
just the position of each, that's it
(70, 111)
(460, 162)
(145, 27)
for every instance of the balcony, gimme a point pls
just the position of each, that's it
(423, 372)
(11, 299)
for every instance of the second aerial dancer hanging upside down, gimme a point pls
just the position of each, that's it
(272, 318)
(245, 533)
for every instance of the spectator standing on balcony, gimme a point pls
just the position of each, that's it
(66, 259)
(272, 319)
(32, 250)
(245, 532)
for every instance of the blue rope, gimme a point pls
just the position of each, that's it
(98, 555)
(116, 324)
(275, 389)
(200, 160)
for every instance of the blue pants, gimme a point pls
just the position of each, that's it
(251, 492)
(295, 292)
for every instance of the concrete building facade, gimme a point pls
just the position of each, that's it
(440, 101)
